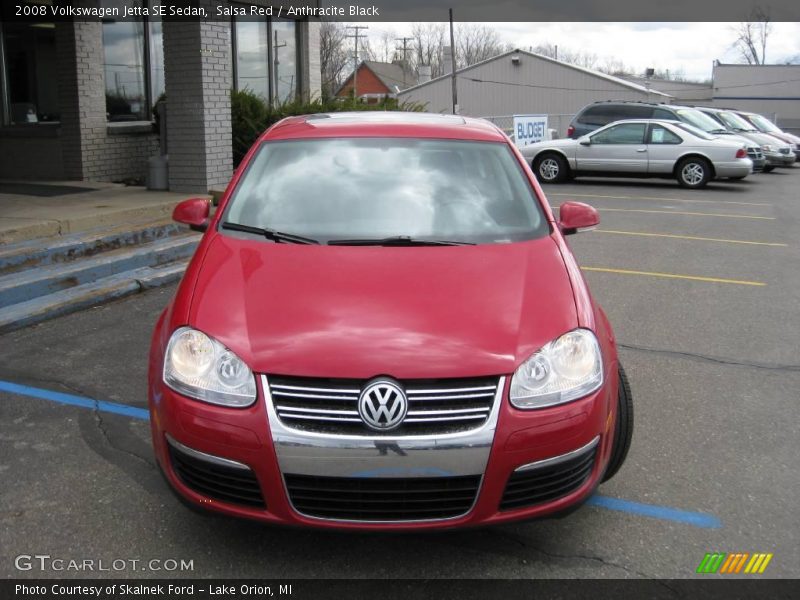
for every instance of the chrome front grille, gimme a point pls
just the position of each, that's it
(435, 406)
(754, 152)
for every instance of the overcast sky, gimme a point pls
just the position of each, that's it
(690, 47)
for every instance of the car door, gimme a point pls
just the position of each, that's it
(619, 148)
(663, 147)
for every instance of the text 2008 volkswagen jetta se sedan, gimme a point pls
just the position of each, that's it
(384, 328)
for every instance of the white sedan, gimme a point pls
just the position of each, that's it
(641, 148)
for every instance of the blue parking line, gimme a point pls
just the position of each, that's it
(71, 400)
(655, 511)
(664, 513)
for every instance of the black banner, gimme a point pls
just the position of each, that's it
(401, 589)
(533, 11)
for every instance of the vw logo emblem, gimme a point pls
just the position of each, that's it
(382, 405)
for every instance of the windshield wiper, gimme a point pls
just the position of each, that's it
(397, 240)
(270, 234)
(718, 131)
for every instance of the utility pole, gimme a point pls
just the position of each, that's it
(356, 36)
(405, 41)
(276, 63)
(453, 63)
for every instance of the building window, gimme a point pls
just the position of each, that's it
(134, 67)
(28, 72)
(265, 58)
(284, 60)
(251, 52)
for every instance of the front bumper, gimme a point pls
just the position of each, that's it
(272, 454)
(777, 159)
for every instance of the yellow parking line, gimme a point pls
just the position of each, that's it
(660, 199)
(693, 214)
(690, 237)
(674, 276)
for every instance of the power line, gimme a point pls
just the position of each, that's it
(544, 87)
(356, 36)
(405, 41)
(569, 89)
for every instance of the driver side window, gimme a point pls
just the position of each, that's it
(625, 133)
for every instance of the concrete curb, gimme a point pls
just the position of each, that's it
(39, 228)
(87, 295)
(37, 282)
(43, 252)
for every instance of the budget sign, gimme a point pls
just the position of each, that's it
(529, 129)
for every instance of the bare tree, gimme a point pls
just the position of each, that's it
(475, 43)
(752, 36)
(333, 54)
(381, 48)
(614, 66)
(588, 60)
(427, 48)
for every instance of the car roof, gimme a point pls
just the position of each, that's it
(384, 124)
(658, 121)
(624, 102)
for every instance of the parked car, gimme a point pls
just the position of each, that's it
(384, 328)
(641, 148)
(604, 112)
(777, 152)
(764, 125)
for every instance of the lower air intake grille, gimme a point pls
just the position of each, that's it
(548, 482)
(382, 499)
(237, 485)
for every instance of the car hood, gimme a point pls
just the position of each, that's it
(762, 138)
(787, 137)
(358, 312)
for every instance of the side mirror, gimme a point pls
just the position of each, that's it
(585, 141)
(193, 212)
(577, 216)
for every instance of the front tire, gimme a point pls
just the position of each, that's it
(623, 428)
(551, 168)
(768, 169)
(693, 172)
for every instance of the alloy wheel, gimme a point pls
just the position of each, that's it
(548, 169)
(693, 173)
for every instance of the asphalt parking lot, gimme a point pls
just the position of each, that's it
(703, 290)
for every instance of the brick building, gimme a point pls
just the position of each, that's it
(77, 97)
(377, 80)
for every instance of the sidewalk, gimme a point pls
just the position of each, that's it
(41, 209)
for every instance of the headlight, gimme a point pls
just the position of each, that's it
(200, 367)
(767, 148)
(565, 369)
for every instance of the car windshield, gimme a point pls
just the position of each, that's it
(692, 116)
(374, 188)
(764, 124)
(695, 131)
(734, 121)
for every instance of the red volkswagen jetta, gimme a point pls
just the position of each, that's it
(384, 328)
